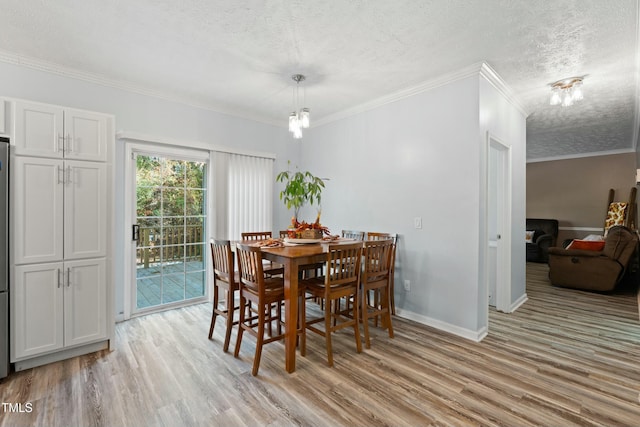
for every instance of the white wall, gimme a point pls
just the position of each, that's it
(421, 157)
(507, 123)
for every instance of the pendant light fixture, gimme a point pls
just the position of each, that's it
(300, 118)
(567, 91)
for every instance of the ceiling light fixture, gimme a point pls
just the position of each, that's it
(566, 91)
(300, 118)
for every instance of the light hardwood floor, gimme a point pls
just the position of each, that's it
(564, 358)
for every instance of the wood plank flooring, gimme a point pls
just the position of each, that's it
(565, 358)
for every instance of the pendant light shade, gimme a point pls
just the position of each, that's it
(300, 118)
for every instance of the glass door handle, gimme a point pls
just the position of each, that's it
(135, 235)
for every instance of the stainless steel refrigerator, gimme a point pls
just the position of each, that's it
(4, 254)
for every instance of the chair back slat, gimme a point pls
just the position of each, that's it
(343, 264)
(250, 267)
(353, 234)
(374, 235)
(223, 259)
(257, 235)
(378, 256)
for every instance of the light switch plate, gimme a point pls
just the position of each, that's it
(417, 222)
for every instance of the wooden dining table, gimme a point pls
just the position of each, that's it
(291, 256)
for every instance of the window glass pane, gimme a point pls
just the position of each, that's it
(150, 232)
(173, 173)
(194, 200)
(195, 284)
(148, 291)
(148, 201)
(149, 171)
(173, 202)
(172, 288)
(195, 174)
(195, 230)
(195, 257)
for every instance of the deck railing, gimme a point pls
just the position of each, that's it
(177, 243)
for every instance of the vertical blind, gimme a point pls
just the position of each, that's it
(249, 194)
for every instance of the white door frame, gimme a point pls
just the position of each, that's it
(130, 149)
(504, 222)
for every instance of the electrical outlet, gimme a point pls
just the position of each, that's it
(417, 222)
(407, 285)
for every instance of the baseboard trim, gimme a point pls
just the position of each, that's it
(469, 334)
(516, 305)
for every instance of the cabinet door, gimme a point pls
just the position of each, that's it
(36, 310)
(85, 210)
(86, 135)
(37, 200)
(39, 130)
(85, 301)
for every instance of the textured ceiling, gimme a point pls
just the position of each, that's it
(237, 56)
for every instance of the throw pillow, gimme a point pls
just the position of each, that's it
(529, 236)
(615, 215)
(587, 245)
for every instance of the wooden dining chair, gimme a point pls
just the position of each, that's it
(265, 293)
(225, 280)
(307, 270)
(372, 235)
(341, 280)
(377, 258)
(257, 235)
(270, 268)
(353, 234)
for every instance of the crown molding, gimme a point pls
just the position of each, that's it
(582, 155)
(480, 68)
(57, 69)
(445, 79)
(496, 81)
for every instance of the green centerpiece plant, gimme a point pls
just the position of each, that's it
(301, 188)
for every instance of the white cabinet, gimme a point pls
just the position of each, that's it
(85, 210)
(38, 203)
(60, 210)
(57, 305)
(51, 131)
(61, 298)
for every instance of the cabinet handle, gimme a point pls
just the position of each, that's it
(68, 277)
(61, 171)
(69, 143)
(59, 281)
(60, 147)
(69, 172)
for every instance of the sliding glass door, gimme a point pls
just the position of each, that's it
(170, 218)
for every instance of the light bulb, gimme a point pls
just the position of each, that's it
(304, 118)
(577, 92)
(555, 98)
(297, 133)
(293, 122)
(567, 100)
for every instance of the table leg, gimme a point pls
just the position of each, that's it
(291, 313)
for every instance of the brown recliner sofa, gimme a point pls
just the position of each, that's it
(594, 270)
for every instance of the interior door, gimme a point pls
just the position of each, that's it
(499, 224)
(169, 229)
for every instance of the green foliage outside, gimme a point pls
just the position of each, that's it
(169, 187)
